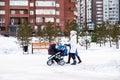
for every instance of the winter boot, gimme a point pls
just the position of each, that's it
(79, 60)
(69, 57)
(74, 62)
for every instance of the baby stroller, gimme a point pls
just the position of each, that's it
(57, 55)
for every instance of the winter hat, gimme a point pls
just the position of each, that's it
(73, 32)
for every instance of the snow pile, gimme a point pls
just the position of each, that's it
(8, 45)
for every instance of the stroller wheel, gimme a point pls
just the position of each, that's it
(50, 62)
(61, 62)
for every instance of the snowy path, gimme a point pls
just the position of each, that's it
(33, 67)
(98, 63)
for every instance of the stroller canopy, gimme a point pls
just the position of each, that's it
(52, 49)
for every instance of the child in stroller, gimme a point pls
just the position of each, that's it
(57, 54)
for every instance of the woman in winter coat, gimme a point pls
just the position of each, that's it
(73, 47)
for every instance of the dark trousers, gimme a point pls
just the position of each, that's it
(72, 55)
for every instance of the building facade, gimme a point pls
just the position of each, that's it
(91, 13)
(111, 11)
(95, 12)
(35, 12)
(98, 12)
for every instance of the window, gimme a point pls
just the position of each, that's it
(2, 20)
(99, 5)
(18, 2)
(46, 11)
(57, 20)
(2, 11)
(21, 12)
(57, 12)
(12, 11)
(31, 12)
(31, 4)
(99, 15)
(45, 3)
(2, 3)
(99, 12)
(99, 22)
(12, 21)
(2, 28)
(98, 2)
(106, 16)
(99, 8)
(39, 19)
(49, 19)
(99, 19)
(57, 5)
(110, 8)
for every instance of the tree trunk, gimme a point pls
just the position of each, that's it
(110, 42)
(86, 44)
(117, 43)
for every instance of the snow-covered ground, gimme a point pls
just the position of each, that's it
(98, 63)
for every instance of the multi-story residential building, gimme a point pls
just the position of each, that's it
(83, 12)
(78, 12)
(95, 12)
(91, 13)
(98, 12)
(111, 11)
(36, 12)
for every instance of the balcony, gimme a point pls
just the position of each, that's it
(19, 15)
(19, 7)
(72, 9)
(73, 1)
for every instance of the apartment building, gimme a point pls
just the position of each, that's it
(111, 11)
(91, 13)
(36, 12)
(95, 12)
(83, 12)
(98, 12)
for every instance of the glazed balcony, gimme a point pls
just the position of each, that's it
(73, 1)
(19, 7)
(19, 15)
